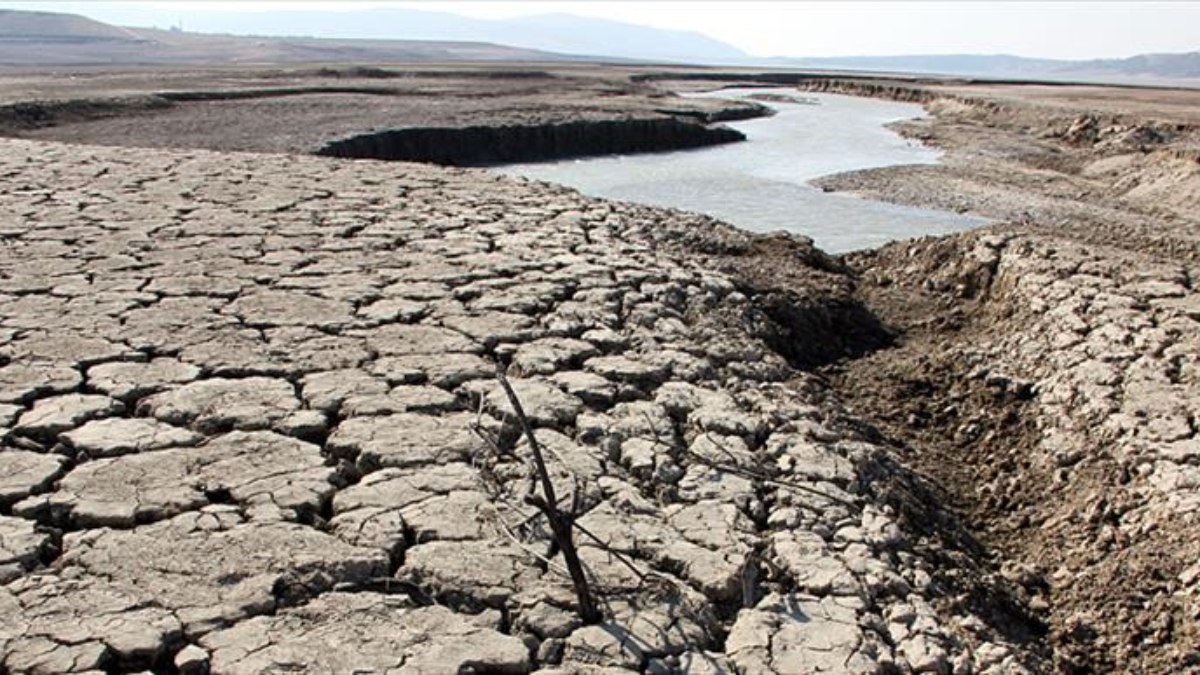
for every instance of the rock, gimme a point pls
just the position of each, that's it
(74, 625)
(543, 403)
(815, 569)
(606, 339)
(565, 455)
(924, 655)
(804, 459)
(209, 569)
(419, 398)
(271, 476)
(269, 309)
(294, 350)
(727, 451)
(52, 416)
(25, 473)
(494, 327)
(469, 574)
(726, 421)
(9, 414)
(405, 340)
(405, 440)
(22, 547)
(192, 660)
(326, 391)
(377, 511)
(716, 573)
(693, 663)
(219, 404)
(366, 632)
(455, 516)
(638, 456)
(715, 525)
(550, 355)
(603, 645)
(68, 349)
(677, 620)
(549, 623)
(447, 371)
(625, 369)
(527, 298)
(796, 633)
(130, 381)
(121, 436)
(700, 482)
(589, 388)
(682, 365)
(393, 309)
(202, 285)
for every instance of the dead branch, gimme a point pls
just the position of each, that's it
(560, 523)
(736, 467)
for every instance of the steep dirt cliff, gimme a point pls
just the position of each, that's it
(499, 144)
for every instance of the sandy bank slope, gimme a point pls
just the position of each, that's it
(1057, 403)
(238, 399)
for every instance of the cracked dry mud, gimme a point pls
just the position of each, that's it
(1071, 440)
(245, 398)
(1046, 378)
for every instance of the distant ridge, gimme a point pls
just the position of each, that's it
(47, 39)
(26, 26)
(1153, 67)
(369, 34)
(1158, 65)
(32, 39)
(560, 33)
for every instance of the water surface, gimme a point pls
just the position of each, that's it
(761, 184)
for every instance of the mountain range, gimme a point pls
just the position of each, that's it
(47, 39)
(395, 34)
(1144, 67)
(562, 33)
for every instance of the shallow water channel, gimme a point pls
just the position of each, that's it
(761, 184)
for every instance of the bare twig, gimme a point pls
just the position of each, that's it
(735, 466)
(760, 475)
(560, 523)
(610, 550)
(508, 532)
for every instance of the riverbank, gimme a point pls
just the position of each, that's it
(762, 183)
(1046, 378)
(440, 114)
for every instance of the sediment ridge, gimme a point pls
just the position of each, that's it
(443, 116)
(501, 144)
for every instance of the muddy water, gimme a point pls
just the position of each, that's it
(762, 184)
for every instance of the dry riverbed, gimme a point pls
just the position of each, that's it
(240, 394)
(251, 418)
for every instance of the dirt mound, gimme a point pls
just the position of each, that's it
(1040, 384)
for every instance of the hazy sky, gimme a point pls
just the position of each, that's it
(1040, 29)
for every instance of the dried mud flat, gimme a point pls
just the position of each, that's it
(239, 399)
(251, 423)
(301, 110)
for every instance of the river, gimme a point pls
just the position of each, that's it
(761, 184)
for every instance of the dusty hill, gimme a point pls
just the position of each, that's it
(30, 39)
(22, 26)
